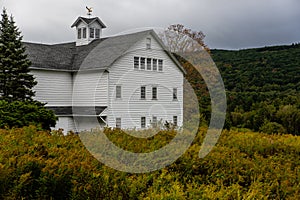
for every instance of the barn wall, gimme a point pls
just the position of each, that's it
(130, 108)
(90, 89)
(53, 87)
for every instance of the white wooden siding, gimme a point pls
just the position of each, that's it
(87, 123)
(53, 87)
(65, 123)
(130, 107)
(90, 89)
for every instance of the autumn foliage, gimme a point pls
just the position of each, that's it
(243, 165)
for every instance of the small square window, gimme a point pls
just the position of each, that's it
(84, 32)
(160, 65)
(154, 93)
(174, 93)
(175, 120)
(143, 122)
(143, 92)
(154, 62)
(97, 33)
(79, 33)
(136, 64)
(118, 122)
(118, 92)
(143, 60)
(149, 61)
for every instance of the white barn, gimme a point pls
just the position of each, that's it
(126, 81)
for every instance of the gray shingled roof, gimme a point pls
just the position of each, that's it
(110, 50)
(58, 57)
(99, 54)
(79, 111)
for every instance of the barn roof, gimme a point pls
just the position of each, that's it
(100, 54)
(77, 111)
(88, 21)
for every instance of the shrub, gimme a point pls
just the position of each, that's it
(37, 165)
(272, 127)
(19, 114)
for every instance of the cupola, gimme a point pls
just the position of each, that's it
(87, 30)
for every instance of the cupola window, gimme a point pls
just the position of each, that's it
(87, 29)
(84, 33)
(92, 32)
(79, 33)
(97, 33)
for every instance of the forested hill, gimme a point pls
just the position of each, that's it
(260, 70)
(262, 87)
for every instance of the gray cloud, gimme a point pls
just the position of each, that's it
(229, 24)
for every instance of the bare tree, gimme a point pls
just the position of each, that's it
(180, 39)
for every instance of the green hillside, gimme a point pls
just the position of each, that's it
(260, 70)
(262, 87)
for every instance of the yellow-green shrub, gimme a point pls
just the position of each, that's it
(40, 165)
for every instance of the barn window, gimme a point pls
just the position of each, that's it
(97, 33)
(92, 32)
(149, 63)
(148, 43)
(118, 91)
(154, 62)
(143, 63)
(174, 93)
(118, 122)
(79, 33)
(160, 65)
(154, 121)
(143, 92)
(154, 93)
(84, 32)
(143, 122)
(136, 64)
(175, 120)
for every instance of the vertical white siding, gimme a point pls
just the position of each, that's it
(53, 87)
(130, 107)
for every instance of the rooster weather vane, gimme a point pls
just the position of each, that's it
(90, 10)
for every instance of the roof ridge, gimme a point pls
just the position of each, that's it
(133, 33)
(88, 21)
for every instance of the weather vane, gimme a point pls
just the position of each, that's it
(89, 9)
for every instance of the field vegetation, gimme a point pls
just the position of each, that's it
(244, 165)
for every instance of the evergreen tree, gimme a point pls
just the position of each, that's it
(15, 81)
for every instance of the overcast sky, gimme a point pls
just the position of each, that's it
(227, 24)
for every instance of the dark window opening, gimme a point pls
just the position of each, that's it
(154, 93)
(143, 92)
